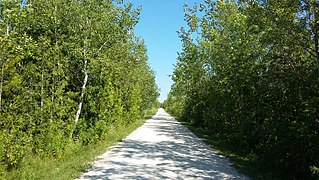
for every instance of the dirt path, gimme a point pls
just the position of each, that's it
(162, 149)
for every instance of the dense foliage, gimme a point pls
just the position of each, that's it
(70, 70)
(249, 73)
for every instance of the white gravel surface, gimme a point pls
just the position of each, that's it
(162, 148)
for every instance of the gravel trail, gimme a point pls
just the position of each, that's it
(162, 148)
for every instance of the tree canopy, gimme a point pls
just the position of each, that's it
(70, 70)
(248, 72)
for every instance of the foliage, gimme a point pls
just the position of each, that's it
(248, 73)
(74, 161)
(70, 70)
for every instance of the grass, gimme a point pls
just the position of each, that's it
(74, 161)
(245, 163)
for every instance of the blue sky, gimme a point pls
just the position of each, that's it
(159, 21)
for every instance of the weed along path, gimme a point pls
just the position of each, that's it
(162, 149)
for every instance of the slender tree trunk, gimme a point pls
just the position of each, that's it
(1, 84)
(56, 31)
(317, 48)
(8, 29)
(85, 80)
(31, 99)
(42, 90)
(78, 113)
(2, 70)
(54, 66)
(42, 87)
(316, 31)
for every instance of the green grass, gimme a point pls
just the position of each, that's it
(245, 163)
(74, 161)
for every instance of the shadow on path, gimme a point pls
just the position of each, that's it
(162, 149)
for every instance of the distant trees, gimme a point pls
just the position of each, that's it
(248, 72)
(69, 70)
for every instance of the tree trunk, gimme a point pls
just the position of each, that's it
(42, 90)
(1, 84)
(54, 80)
(2, 70)
(31, 110)
(78, 113)
(316, 31)
(8, 29)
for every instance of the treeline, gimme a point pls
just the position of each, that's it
(70, 70)
(249, 73)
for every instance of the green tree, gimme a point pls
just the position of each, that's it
(248, 74)
(69, 71)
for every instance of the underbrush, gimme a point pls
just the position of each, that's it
(74, 161)
(246, 163)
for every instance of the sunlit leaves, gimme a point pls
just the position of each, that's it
(247, 73)
(47, 49)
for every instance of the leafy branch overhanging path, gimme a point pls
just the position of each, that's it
(162, 149)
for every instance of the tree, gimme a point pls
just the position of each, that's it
(69, 71)
(248, 74)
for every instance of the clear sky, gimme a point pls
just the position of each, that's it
(159, 21)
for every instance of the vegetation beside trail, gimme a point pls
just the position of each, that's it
(248, 76)
(246, 163)
(75, 160)
(73, 76)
